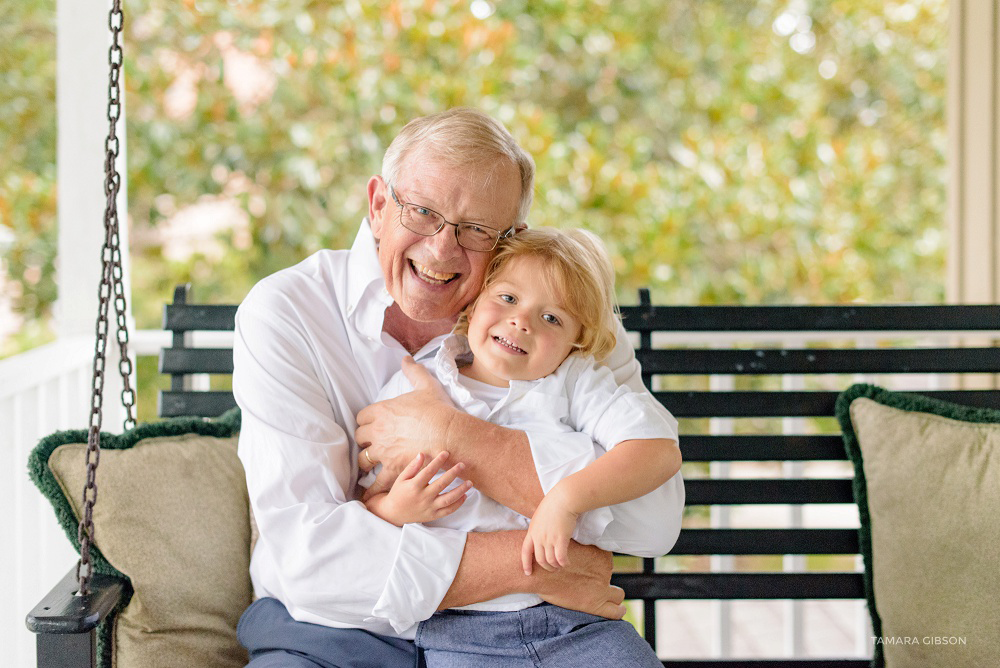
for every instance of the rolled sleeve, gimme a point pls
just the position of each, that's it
(611, 412)
(421, 573)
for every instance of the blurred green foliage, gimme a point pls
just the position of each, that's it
(727, 151)
(28, 166)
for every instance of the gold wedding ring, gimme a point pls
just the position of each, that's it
(367, 456)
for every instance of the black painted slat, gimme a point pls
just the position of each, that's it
(204, 317)
(792, 318)
(741, 586)
(756, 491)
(766, 663)
(201, 404)
(748, 404)
(196, 360)
(181, 339)
(767, 541)
(762, 447)
(818, 361)
(791, 404)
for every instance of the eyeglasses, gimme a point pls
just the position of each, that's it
(428, 222)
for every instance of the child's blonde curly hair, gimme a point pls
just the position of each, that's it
(579, 265)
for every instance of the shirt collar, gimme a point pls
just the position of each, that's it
(367, 297)
(363, 269)
(455, 350)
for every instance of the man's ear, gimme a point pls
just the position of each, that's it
(378, 202)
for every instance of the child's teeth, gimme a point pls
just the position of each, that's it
(508, 344)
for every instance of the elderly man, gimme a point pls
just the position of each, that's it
(337, 586)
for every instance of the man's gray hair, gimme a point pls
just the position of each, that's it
(462, 137)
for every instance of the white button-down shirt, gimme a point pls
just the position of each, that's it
(309, 354)
(580, 396)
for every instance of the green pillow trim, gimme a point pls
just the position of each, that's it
(225, 426)
(906, 402)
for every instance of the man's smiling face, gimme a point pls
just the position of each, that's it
(433, 278)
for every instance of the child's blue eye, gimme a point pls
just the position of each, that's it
(508, 298)
(549, 318)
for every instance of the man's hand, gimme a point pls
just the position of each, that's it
(549, 533)
(584, 584)
(414, 497)
(394, 431)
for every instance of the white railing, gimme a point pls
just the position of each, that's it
(42, 391)
(47, 389)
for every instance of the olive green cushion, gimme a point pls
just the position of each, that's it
(927, 485)
(171, 516)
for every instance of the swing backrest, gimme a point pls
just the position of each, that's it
(779, 383)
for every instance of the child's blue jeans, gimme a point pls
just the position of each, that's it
(543, 636)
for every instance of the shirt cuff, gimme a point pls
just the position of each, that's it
(638, 417)
(421, 574)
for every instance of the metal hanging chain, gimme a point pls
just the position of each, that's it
(111, 289)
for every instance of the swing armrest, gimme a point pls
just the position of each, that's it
(62, 611)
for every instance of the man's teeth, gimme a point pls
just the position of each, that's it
(431, 276)
(509, 344)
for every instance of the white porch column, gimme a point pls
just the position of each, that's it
(82, 42)
(974, 152)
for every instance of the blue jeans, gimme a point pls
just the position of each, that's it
(543, 636)
(275, 640)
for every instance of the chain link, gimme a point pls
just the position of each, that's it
(111, 290)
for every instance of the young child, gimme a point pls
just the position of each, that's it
(525, 355)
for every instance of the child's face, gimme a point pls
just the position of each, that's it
(519, 329)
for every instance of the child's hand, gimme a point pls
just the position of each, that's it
(415, 498)
(549, 534)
